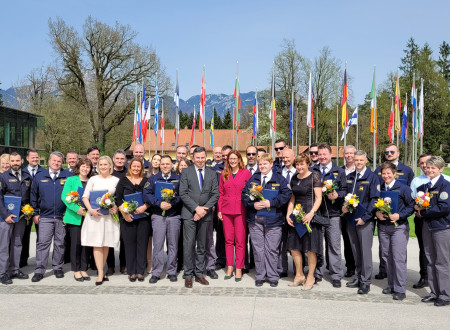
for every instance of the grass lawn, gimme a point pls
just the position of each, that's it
(447, 171)
(412, 227)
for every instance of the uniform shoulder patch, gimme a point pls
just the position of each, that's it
(443, 195)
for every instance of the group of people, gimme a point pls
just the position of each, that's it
(258, 210)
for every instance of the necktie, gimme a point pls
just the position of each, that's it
(251, 170)
(324, 170)
(17, 175)
(288, 176)
(264, 181)
(54, 174)
(32, 173)
(428, 186)
(201, 178)
(387, 188)
(166, 178)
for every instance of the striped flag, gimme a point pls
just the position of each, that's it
(421, 112)
(353, 121)
(193, 128)
(310, 112)
(139, 121)
(237, 103)
(273, 110)
(397, 105)
(373, 109)
(146, 115)
(201, 122)
(291, 116)
(136, 116)
(391, 124)
(404, 134)
(414, 110)
(176, 100)
(162, 125)
(211, 131)
(155, 127)
(344, 102)
(255, 116)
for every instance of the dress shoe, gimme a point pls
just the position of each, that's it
(364, 289)
(123, 270)
(140, 277)
(37, 277)
(245, 271)
(172, 278)
(58, 273)
(399, 296)
(19, 275)
(349, 273)
(202, 280)
(188, 283)
(283, 274)
(317, 280)
(78, 279)
(336, 283)
(259, 283)
(153, 279)
(440, 302)
(212, 273)
(87, 278)
(110, 271)
(219, 266)
(420, 284)
(380, 276)
(353, 284)
(273, 284)
(132, 278)
(5, 279)
(105, 279)
(388, 291)
(428, 299)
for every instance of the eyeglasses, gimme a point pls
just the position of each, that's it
(251, 153)
(280, 148)
(389, 152)
(313, 152)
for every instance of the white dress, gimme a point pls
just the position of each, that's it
(103, 230)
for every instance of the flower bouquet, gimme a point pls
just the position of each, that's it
(351, 202)
(328, 187)
(299, 214)
(27, 212)
(423, 199)
(107, 202)
(167, 196)
(384, 206)
(255, 194)
(73, 197)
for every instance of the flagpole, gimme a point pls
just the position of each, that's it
(337, 134)
(162, 132)
(193, 134)
(357, 129)
(204, 113)
(422, 116)
(212, 119)
(149, 126)
(177, 118)
(406, 133)
(256, 119)
(374, 123)
(233, 135)
(156, 131)
(135, 116)
(237, 110)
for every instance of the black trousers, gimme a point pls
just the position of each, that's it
(348, 254)
(135, 235)
(67, 243)
(249, 257)
(220, 241)
(423, 262)
(78, 253)
(25, 254)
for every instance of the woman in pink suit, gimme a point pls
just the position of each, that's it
(232, 212)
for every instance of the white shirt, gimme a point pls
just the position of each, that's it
(19, 175)
(198, 174)
(268, 177)
(389, 186)
(254, 167)
(29, 168)
(349, 170)
(53, 175)
(433, 182)
(361, 174)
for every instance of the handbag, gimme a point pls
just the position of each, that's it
(318, 219)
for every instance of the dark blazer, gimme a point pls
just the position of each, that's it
(190, 193)
(437, 215)
(150, 199)
(277, 182)
(9, 185)
(405, 202)
(403, 172)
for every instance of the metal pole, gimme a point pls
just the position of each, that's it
(375, 121)
(337, 134)
(193, 140)
(357, 131)
(162, 116)
(177, 117)
(237, 109)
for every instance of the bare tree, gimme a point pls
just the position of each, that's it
(99, 69)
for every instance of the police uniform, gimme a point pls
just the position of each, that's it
(11, 234)
(366, 186)
(164, 227)
(348, 254)
(46, 200)
(394, 239)
(436, 237)
(25, 254)
(265, 231)
(332, 210)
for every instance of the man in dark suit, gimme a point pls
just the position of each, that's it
(32, 169)
(279, 146)
(199, 192)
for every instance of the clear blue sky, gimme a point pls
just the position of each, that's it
(189, 34)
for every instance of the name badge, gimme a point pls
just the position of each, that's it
(349, 181)
(365, 182)
(175, 180)
(63, 181)
(12, 180)
(44, 180)
(275, 185)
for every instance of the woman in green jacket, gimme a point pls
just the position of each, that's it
(74, 217)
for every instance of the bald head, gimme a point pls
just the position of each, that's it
(217, 154)
(287, 157)
(138, 151)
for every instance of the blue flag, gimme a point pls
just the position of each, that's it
(291, 116)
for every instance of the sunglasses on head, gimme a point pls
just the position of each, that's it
(389, 152)
(313, 152)
(251, 153)
(280, 148)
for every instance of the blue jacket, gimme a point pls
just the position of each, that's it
(150, 199)
(403, 173)
(437, 215)
(9, 185)
(336, 174)
(277, 182)
(46, 194)
(218, 168)
(367, 188)
(405, 202)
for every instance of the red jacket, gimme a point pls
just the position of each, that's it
(230, 193)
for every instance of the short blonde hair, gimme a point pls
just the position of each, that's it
(267, 157)
(4, 156)
(110, 162)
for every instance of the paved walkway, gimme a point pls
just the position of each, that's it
(64, 303)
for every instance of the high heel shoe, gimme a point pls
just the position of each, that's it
(227, 277)
(297, 283)
(238, 279)
(105, 279)
(99, 282)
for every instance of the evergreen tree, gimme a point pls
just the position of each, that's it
(444, 61)
(227, 122)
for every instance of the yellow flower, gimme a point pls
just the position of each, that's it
(125, 204)
(380, 203)
(351, 201)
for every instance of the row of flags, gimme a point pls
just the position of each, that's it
(142, 112)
